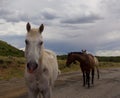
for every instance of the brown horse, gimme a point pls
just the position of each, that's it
(95, 59)
(87, 64)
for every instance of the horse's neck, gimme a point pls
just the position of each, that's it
(79, 57)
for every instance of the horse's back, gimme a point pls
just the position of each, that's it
(94, 59)
(91, 60)
(50, 62)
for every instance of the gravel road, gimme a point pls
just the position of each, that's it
(69, 85)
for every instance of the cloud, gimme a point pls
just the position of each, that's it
(108, 53)
(91, 18)
(69, 25)
(12, 15)
(111, 7)
(9, 28)
(49, 14)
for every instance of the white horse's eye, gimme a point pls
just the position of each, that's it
(40, 43)
(26, 42)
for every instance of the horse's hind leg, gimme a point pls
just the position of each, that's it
(32, 94)
(39, 95)
(84, 81)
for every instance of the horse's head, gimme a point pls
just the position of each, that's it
(70, 59)
(34, 46)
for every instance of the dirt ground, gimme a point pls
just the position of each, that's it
(69, 85)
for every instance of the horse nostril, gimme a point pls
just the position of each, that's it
(28, 65)
(36, 65)
(31, 66)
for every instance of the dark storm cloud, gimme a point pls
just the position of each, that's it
(81, 20)
(15, 40)
(63, 47)
(12, 15)
(48, 15)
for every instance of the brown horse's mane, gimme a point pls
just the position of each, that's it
(75, 53)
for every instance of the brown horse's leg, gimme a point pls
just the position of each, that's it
(88, 78)
(84, 78)
(86, 82)
(93, 71)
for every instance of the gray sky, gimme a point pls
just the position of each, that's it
(70, 25)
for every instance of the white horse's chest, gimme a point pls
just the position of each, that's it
(37, 81)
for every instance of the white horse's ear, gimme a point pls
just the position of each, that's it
(28, 27)
(41, 28)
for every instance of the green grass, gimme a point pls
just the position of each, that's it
(109, 64)
(64, 68)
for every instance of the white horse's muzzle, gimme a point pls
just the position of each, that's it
(31, 66)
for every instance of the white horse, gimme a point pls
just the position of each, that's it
(42, 68)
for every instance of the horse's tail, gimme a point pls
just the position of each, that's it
(98, 73)
(97, 66)
(59, 72)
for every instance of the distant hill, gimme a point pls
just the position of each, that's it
(8, 50)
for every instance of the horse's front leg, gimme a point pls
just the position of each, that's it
(88, 78)
(92, 76)
(47, 93)
(32, 94)
(84, 80)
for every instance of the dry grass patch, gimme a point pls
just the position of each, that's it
(11, 67)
